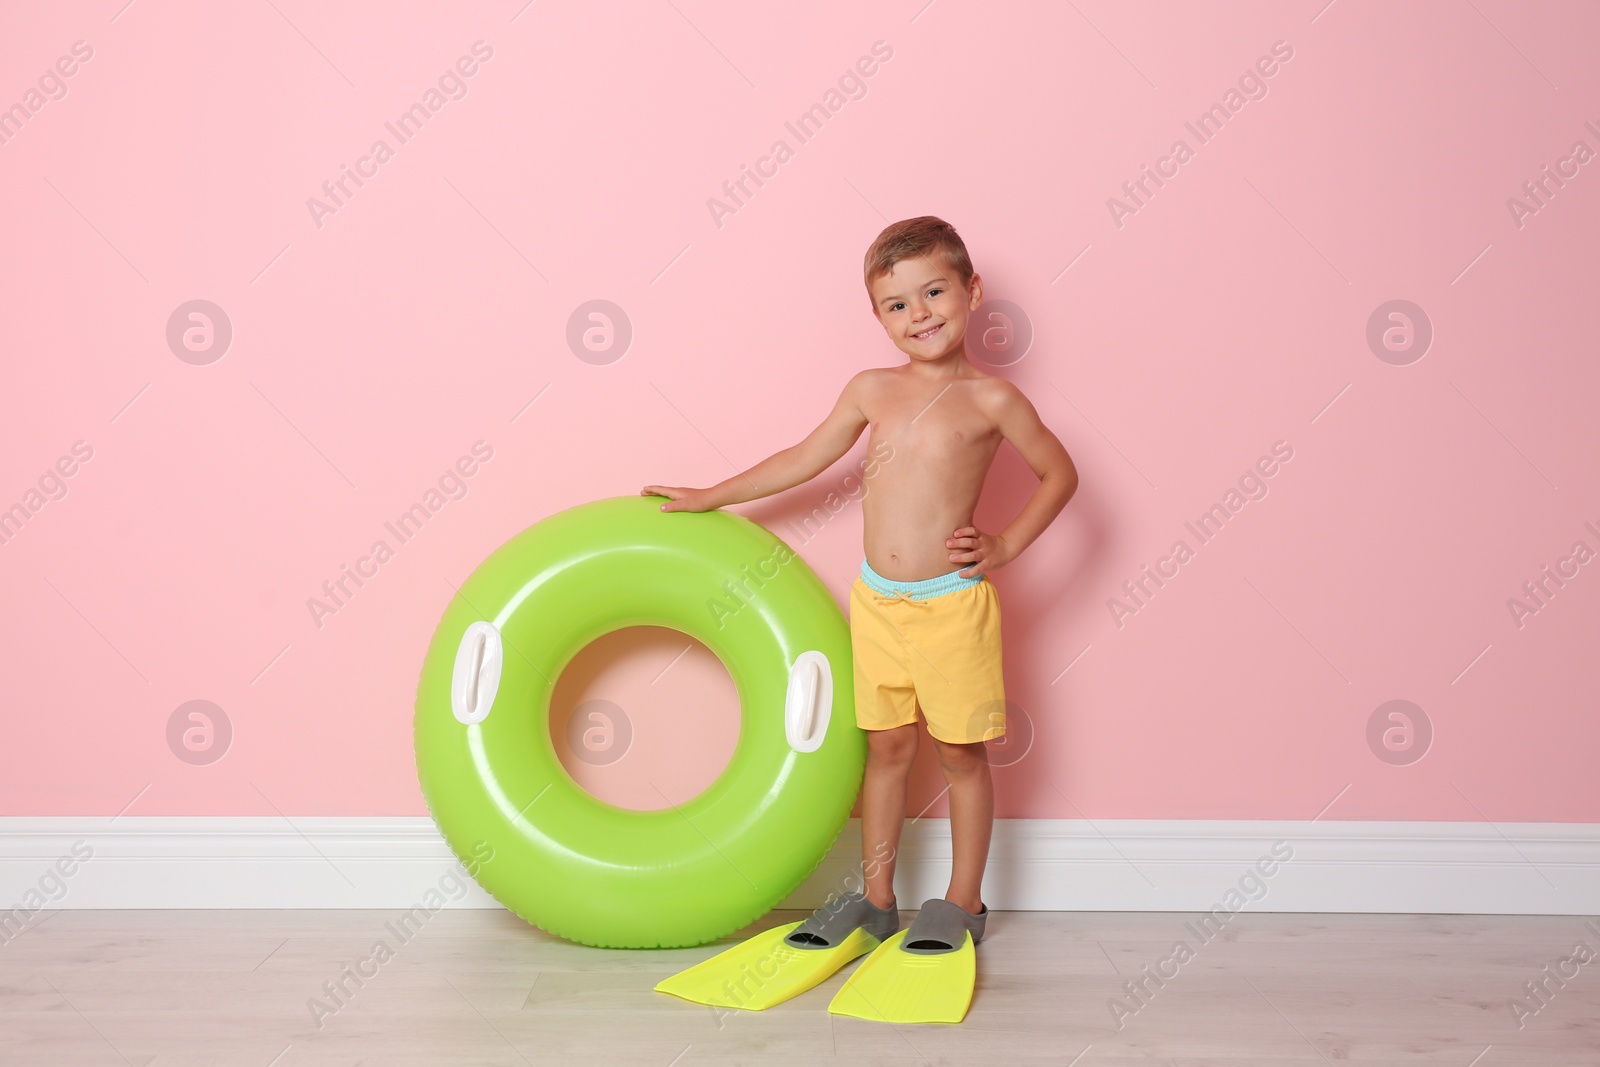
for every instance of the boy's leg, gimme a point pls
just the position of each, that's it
(883, 807)
(966, 768)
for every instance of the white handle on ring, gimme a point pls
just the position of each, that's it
(809, 702)
(476, 677)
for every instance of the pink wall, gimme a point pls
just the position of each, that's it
(1173, 346)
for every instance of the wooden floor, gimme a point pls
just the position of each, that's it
(218, 988)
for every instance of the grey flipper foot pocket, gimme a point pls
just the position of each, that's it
(832, 922)
(941, 927)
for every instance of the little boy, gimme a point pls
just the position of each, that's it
(923, 636)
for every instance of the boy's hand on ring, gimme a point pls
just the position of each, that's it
(986, 552)
(679, 498)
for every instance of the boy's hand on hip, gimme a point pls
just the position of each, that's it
(679, 498)
(986, 552)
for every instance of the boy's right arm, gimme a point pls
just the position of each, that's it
(781, 470)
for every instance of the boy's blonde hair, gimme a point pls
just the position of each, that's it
(910, 238)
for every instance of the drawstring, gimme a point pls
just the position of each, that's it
(898, 595)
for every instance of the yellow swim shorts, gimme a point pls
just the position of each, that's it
(932, 644)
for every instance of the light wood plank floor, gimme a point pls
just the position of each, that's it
(224, 988)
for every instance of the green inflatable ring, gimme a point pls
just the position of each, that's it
(552, 852)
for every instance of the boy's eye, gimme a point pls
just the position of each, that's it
(931, 292)
(896, 307)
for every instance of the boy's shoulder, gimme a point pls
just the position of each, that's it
(994, 393)
(871, 380)
(1001, 400)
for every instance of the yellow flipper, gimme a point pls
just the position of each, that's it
(894, 986)
(762, 971)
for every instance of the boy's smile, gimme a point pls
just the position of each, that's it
(924, 309)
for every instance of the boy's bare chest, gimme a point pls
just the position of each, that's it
(939, 424)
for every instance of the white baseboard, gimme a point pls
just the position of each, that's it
(1034, 865)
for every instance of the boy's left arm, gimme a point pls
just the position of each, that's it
(1019, 423)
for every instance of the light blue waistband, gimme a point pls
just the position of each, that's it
(919, 590)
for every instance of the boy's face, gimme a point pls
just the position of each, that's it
(923, 307)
